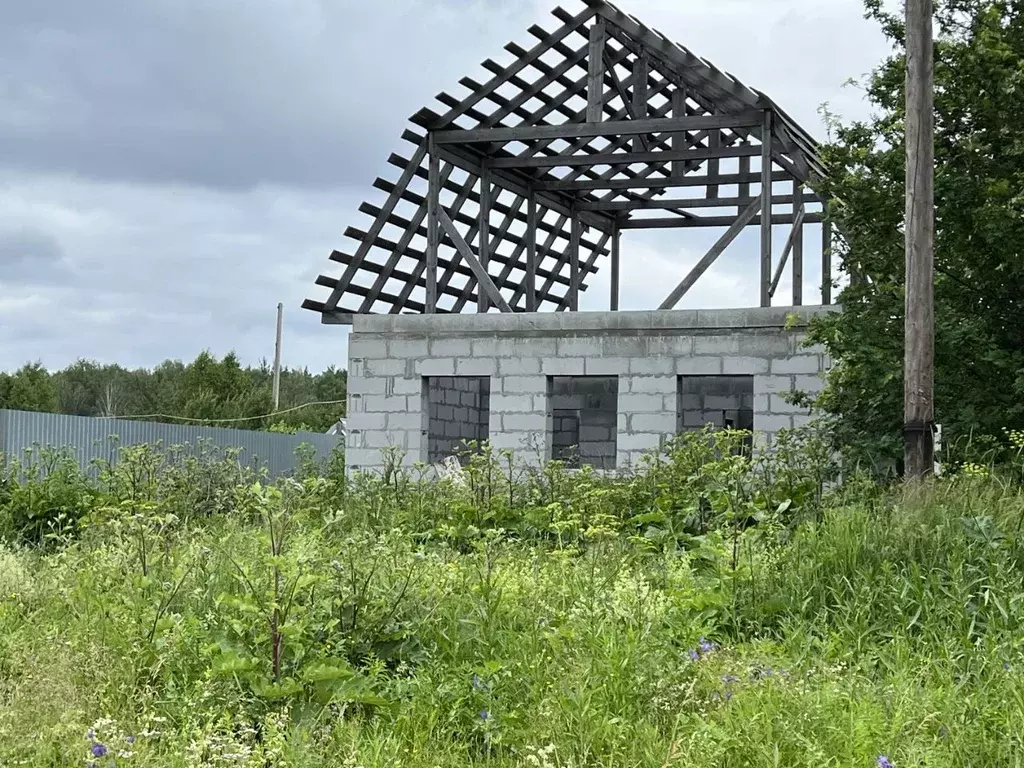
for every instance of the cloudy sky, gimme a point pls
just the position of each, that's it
(172, 169)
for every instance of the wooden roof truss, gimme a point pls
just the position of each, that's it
(511, 196)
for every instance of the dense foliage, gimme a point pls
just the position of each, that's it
(708, 610)
(979, 145)
(218, 392)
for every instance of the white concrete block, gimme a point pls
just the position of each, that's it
(563, 366)
(762, 403)
(699, 366)
(624, 346)
(518, 366)
(364, 386)
(606, 366)
(384, 404)
(779, 405)
(386, 367)
(802, 419)
(580, 346)
(652, 366)
(476, 366)
(799, 364)
(402, 385)
(641, 403)
(766, 345)
(366, 422)
(716, 345)
(773, 384)
(366, 346)
(651, 384)
(379, 439)
(436, 366)
(639, 441)
(450, 348)
(771, 422)
(810, 384)
(661, 423)
(512, 403)
(669, 346)
(744, 366)
(404, 348)
(406, 421)
(523, 384)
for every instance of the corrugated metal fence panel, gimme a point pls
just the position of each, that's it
(100, 439)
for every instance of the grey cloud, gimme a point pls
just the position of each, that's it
(228, 95)
(28, 256)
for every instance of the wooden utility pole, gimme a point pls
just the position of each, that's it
(277, 358)
(919, 361)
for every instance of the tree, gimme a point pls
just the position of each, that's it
(979, 191)
(31, 389)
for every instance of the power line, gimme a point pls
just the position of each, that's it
(227, 421)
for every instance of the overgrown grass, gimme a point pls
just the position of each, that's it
(704, 611)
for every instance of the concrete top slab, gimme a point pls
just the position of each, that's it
(522, 322)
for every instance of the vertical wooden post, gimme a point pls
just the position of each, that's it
(433, 224)
(714, 165)
(766, 210)
(919, 363)
(679, 140)
(614, 304)
(482, 302)
(798, 246)
(826, 260)
(277, 357)
(574, 262)
(595, 72)
(641, 71)
(744, 187)
(531, 252)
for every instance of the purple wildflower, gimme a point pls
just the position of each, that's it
(98, 750)
(485, 715)
(706, 646)
(884, 762)
(694, 655)
(130, 739)
(730, 679)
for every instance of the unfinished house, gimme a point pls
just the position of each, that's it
(462, 286)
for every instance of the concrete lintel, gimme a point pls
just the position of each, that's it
(532, 322)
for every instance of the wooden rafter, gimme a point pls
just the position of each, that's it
(516, 190)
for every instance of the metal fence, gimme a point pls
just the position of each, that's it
(93, 439)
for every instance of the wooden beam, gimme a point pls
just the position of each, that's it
(709, 258)
(798, 246)
(595, 70)
(678, 142)
(531, 253)
(574, 264)
(745, 177)
(641, 71)
(714, 166)
(626, 101)
(826, 262)
(622, 158)
(675, 222)
(484, 230)
(798, 223)
(593, 185)
(766, 203)
(667, 125)
(614, 300)
(486, 285)
(433, 235)
(662, 203)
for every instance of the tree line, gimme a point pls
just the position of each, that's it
(215, 392)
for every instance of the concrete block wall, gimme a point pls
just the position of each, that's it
(520, 354)
(584, 413)
(456, 413)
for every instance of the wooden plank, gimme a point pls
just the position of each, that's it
(563, 304)
(712, 221)
(484, 229)
(709, 258)
(574, 264)
(486, 285)
(798, 223)
(531, 253)
(826, 262)
(595, 70)
(667, 125)
(714, 165)
(622, 158)
(626, 100)
(433, 235)
(745, 176)
(593, 185)
(661, 203)
(798, 246)
(641, 71)
(546, 294)
(614, 299)
(766, 201)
